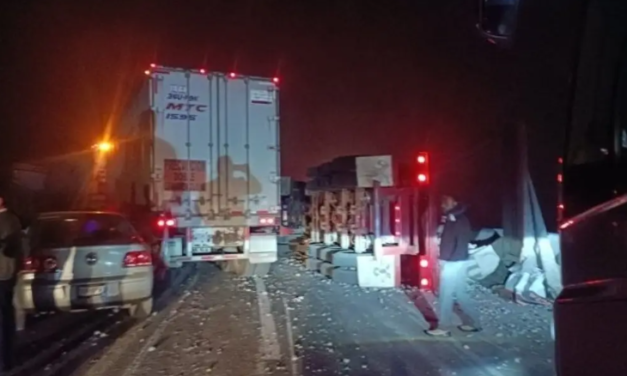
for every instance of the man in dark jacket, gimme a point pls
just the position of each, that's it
(454, 257)
(10, 249)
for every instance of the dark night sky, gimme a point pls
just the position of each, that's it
(367, 77)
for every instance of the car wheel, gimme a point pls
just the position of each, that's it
(141, 310)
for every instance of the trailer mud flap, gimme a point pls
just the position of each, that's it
(171, 250)
(262, 248)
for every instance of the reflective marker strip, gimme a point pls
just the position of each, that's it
(208, 258)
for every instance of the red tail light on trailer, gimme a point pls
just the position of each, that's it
(267, 221)
(137, 258)
(166, 222)
(422, 168)
(396, 216)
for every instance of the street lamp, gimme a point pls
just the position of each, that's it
(98, 197)
(103, 146)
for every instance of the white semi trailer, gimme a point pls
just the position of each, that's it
(201, 150)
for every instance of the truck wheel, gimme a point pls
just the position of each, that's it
(243, 268)
(141, 310)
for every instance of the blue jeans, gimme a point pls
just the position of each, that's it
(453, 283)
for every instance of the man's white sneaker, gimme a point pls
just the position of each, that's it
(438, 333)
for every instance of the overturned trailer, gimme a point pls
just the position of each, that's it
(374, 218)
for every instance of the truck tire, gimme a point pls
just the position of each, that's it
(243, 268)
(141, 310)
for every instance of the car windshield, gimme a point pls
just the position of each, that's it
(81, 229)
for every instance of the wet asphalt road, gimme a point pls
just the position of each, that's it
(48, 337)
(295, 322)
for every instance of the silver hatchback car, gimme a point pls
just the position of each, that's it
(83, 261)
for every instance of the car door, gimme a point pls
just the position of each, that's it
(591, 310)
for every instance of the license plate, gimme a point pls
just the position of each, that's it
(201, 248)
(86, 291)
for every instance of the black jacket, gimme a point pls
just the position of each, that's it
(10, 244)
(456, 236)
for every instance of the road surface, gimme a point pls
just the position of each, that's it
(295, 322)
(52, 337)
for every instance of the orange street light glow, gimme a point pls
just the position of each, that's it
(104, 146)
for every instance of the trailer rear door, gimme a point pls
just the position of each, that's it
(216, 146)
